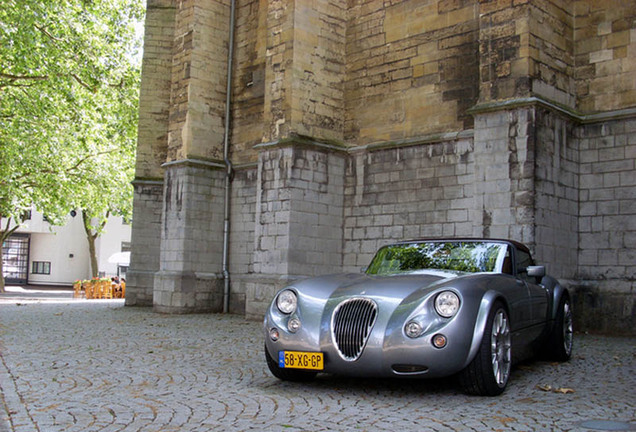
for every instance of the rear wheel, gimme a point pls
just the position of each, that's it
(488, 373)
(561, 339)
(287, 374)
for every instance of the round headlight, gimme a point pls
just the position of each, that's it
(447, 304)
(287, 301)
(413, 329)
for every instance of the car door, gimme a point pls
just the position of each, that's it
(518, 297)
(538, 294)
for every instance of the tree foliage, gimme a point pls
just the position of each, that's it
(69, 85)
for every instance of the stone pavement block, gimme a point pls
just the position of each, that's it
(74, 365)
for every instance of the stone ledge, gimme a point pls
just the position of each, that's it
(296, 140)
(555, 106)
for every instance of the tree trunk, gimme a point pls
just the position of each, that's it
(93, 255)
(91, 237)
(1, 271)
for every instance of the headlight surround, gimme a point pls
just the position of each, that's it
(447, 304)
(287, 301)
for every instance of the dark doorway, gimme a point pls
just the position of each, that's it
(15, 259)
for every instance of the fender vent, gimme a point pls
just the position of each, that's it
(351, 326)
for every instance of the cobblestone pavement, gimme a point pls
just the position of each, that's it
(73, 365)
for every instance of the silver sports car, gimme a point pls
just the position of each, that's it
(423, 308)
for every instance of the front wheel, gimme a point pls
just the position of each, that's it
(287, 374)
(488, 373)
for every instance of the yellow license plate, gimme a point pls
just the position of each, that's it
(301, 360)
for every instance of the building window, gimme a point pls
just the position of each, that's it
(41, 267)
(125, 247)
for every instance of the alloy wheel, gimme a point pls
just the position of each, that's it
(500, 342)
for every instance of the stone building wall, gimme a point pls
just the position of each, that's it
(607, 225)
(355, 123)
(406, 192)
(556, 197)
(152, 145)
(605, 53)
(424, 55)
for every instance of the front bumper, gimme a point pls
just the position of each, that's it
(388, 351)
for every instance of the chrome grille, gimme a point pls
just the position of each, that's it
(351, 325)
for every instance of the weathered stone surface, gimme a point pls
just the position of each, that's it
(357, 123)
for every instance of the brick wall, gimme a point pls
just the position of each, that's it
(557, 194)
(550, 48)
(148, 201)
(416, 191)
(605, 55)
(607, 225)
(299, 212)
(423, 54)
(191, 240)
(199, 76)
(242, 226)
(154, 97)
(248, 127)
(317, 98)
(504, 175)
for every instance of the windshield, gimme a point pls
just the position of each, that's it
(469, 257)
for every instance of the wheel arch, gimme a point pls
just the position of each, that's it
(486, 304)
(557, 292)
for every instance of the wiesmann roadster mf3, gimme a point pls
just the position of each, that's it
(423, 309)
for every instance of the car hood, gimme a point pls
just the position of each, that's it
(393, 289)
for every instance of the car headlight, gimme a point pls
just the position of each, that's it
(447, 304)
(287, 301)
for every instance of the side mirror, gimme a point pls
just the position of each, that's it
(536, 271)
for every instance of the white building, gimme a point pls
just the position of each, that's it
(39, 253)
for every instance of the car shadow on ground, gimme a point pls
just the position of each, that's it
(522, 374)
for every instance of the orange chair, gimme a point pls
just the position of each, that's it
(77, 289)
(88, 289)
(106, 290)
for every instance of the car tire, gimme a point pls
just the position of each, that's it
(560, 342)
(287, 374)
(488, 373)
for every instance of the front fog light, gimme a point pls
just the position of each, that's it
(273, 334)
(413, 329)
(293, 325)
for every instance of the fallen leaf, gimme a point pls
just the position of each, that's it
(505, 420)
(563, 390)
(549, 388)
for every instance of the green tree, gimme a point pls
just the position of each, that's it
(69, 80)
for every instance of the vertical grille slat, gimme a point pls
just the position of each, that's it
(351, 326)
